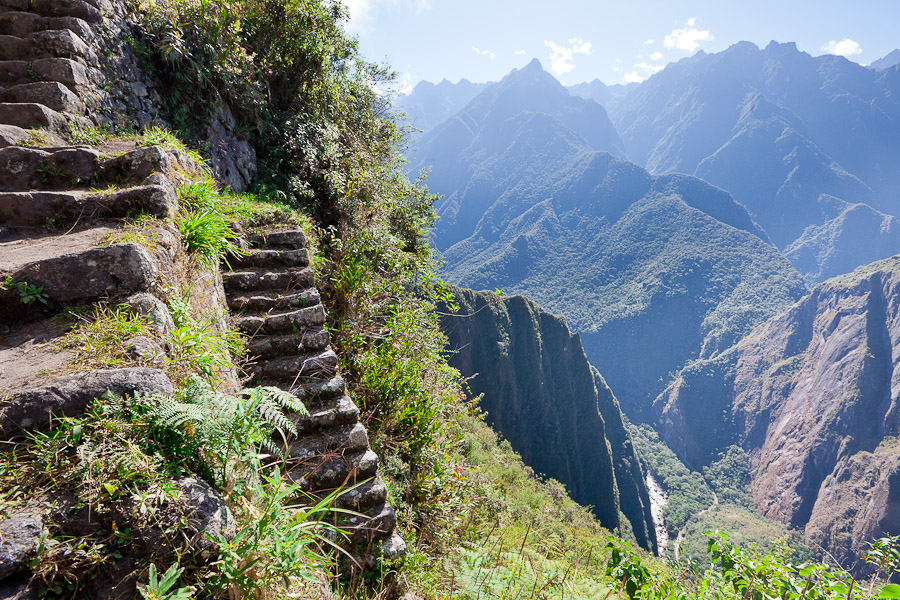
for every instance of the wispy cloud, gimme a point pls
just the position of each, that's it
(487, 53)
(656, 56)
(649, 42)
(362, 11)
(519, 52)
(846, 48)
(687, 38)
(641, 72)
(561, 57)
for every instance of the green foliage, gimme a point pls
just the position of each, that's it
(161, 589)
(29, 293)
(730, 476)
(207, 234)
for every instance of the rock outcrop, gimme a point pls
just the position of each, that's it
(557, 412)
(813, 396)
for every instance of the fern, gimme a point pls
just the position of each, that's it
(228, 431)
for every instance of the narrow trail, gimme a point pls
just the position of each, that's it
(681, 532)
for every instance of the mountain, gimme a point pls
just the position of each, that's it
(429, 104)
(811, 396)
(509, 137)
(798, 140)
(606, 95)
(887, 61)
(541, 394)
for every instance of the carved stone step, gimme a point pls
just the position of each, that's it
(269, 346)
(69, 268)
(10, 135)
(364, 496)
(330, 413)
(283, 240)
(320, 364)
(378, 524)
(55, 43)
(51, 94)
(272, 259)
(23, 169)
(318, 394)
(58, 208)
(347, 439)
(288, 281)
(56, 8)
(266, 301)
(294, 321)
(22, 24)
(67, 72)
(324, 473)
(31, 116)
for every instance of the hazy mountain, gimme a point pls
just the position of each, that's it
(507, 140)
(429, 104)
(886, 62)
(606, 95)
(798, 140)
(541, 394)
(811, 395)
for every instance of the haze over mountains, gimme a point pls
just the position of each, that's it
(673, 229)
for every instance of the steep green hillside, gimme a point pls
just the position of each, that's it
(541, 394)
(650, 271)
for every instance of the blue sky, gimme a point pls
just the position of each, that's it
(579, 40)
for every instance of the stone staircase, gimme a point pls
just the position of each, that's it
(271, 291)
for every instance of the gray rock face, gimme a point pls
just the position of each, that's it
(153, 309)
(233, 160)
(51, 94)
(70, 394)
(394, 547)
(143, 349)
(204, 512)
(19, 535)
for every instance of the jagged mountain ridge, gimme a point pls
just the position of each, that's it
(541, 394)
(430, 104)
(798, 140)
(811, 395)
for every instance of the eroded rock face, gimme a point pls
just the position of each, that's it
(20, 531)
(813, 396)
(542, 395)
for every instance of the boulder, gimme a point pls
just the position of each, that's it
(153, 309)
(142, 349)
(20, 532)
(203, 513)
(69, 395)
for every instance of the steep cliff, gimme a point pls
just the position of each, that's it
(542, 395)
(812, 395)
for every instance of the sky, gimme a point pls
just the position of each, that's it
(616, 42)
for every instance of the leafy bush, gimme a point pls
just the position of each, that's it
(207, 234)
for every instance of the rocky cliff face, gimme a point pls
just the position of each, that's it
(813, 396)
(555, 409)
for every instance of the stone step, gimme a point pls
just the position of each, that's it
(283, 240)
(271, 259)
(269, 323)
(377, 524)
(346, 439)
(320, 365)
(51, 94)
(269, 346)
(288, 281)
(319, 394)
(55, 43)
(71, 74)
(10, 135)
(24, 169)
(323, 473)
(31, 116)
(80, 9)
(70, 268)
(22, 24)
(341, 410)
(364, 496)
(267, 301)
(59, 208)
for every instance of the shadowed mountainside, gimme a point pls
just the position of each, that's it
(541, 394)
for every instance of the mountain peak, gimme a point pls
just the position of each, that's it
(534, 65)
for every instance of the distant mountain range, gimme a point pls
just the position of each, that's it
(888, 61)
(430, 104)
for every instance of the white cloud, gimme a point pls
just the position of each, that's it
(656, 56)
(687, 38)
(561, 56)
(362, 12)
(487, 53)
(633, 77)
(642, 71)
(846, 48)
(649, 42)
(520, 52)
